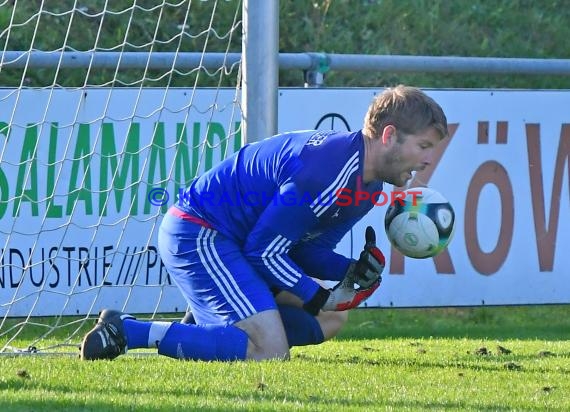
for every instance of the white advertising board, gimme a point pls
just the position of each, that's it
(63, 225)
(505, 170)
(77, 229)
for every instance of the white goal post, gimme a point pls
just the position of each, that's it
(106, 111)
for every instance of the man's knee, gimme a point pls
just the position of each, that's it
(267, 339)
(267, 350)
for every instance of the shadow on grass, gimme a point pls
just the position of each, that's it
(70, 397)
(181, 397)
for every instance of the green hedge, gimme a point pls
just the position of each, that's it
(484, 28)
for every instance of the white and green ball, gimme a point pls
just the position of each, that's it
(421, 225)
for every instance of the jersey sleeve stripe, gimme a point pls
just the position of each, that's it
(283, 250)
(322, 208)
(274, 262)
(326, 206)
(268, 264)
(334, 185)
(342, 178)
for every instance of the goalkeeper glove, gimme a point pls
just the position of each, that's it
(365, 272)
(370, 265)
(342, 297)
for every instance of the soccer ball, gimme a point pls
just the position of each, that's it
(419, 222)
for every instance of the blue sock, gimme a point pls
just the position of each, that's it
(301, 327)
(208, 342)
(137, 333)
(144, 334)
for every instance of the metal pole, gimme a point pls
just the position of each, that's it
(320, 63)
(260, 66)
(117, 60)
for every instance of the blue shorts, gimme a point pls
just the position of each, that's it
(216, 280)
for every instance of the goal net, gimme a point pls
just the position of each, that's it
(107, 109)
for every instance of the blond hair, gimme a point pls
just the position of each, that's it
(406, 108)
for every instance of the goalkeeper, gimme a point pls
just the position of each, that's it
(263, 224)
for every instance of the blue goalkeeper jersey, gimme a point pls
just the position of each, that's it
(287, 201)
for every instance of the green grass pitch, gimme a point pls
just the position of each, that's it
(468, 359)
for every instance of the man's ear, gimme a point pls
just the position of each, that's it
(388, 134)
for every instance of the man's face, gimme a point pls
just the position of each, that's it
(408, 153)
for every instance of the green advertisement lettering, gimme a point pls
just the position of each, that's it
(4, 188)
(53, 210)
(109, 168)
(80, 184)
(27, 180)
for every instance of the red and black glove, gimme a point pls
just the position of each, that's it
(365, 272)
(370, 265)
